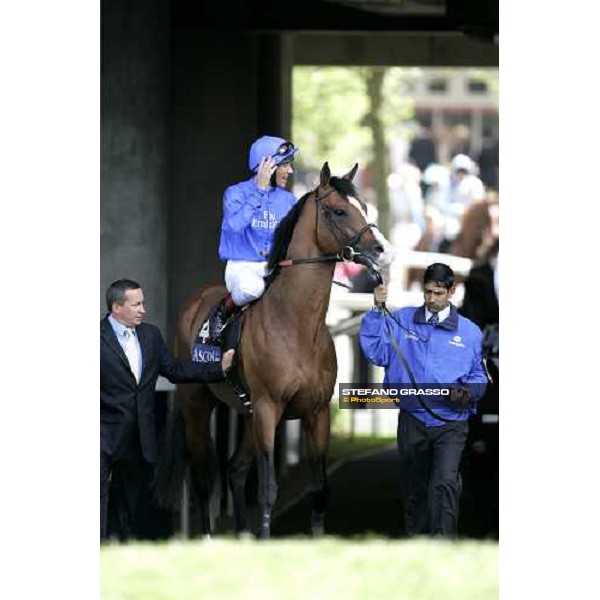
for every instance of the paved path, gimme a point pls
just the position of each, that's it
(364, 499)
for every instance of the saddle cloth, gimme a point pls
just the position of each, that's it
(206, 349)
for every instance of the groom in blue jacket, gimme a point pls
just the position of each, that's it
(443, 349)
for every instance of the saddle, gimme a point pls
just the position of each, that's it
(207, 348)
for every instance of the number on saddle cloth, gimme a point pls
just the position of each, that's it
(204, 349)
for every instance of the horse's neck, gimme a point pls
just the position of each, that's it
(302, 291)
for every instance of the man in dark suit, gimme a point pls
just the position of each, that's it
(132, 356)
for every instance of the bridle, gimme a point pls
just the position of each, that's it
(348, 252)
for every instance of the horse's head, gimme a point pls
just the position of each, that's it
(343, 227)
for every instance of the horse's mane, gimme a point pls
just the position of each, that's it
(283, 237)
(285, 229)
(345, 187)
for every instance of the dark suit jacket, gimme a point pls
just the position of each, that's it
(480, 303)
(127, 407)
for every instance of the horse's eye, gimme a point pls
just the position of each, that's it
(339, 212)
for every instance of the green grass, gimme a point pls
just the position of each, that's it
(292, 569)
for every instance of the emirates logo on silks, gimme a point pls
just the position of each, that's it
(457, 341)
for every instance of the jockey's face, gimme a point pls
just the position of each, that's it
(282, 172)
(437, 297)
(132, 311)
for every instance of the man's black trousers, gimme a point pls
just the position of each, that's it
(121, 481)
(429, 475)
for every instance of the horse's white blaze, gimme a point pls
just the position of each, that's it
(358, 207)
(387, 256)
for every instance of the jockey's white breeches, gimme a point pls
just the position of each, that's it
(244, 280)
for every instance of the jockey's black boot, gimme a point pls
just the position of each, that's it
(225, 308)
(218, 320)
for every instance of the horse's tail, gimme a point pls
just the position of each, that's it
(174, 454)
(170, 471)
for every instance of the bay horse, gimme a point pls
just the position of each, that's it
(286, 356)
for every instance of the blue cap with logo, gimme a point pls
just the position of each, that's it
(281, 150)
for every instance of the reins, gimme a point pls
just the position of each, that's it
(348, 252)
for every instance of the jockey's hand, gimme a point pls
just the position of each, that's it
(266, 168)
(227, 360)
(380, 294)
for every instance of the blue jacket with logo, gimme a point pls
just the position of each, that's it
(447, 354)
(250, 217)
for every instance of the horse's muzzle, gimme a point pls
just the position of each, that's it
(372, 267)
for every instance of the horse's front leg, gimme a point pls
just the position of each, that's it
(266, 417)
(317, 427)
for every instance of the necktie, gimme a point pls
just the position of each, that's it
(434, 319)
(131, 353)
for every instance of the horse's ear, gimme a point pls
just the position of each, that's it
(325, 175)
(351, 173)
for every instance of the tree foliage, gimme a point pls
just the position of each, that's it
(331, 114)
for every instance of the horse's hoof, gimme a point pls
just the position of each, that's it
(264, 534)
(317, 525)
(245, 535)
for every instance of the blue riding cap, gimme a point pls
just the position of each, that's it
(281, 150)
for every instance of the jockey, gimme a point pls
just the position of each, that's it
(252, 210)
